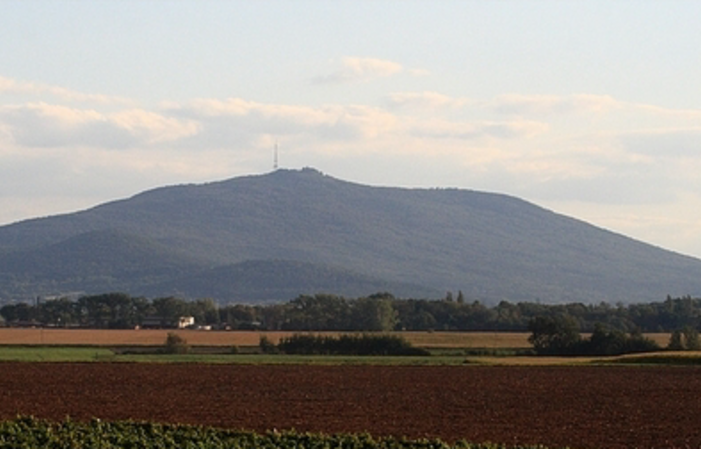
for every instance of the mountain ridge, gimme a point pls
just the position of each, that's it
(491, 246)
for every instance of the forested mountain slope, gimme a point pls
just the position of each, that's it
(492, 247)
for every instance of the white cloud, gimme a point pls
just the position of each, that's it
(443, 129)
(675, 114)
(44, 125)
(665, 143)
(421, 101)
(515, 104)
(419, 72)
(239, 122)
(362, 69)
(8, 85)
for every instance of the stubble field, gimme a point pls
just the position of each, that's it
(151, 337)
(580, 407)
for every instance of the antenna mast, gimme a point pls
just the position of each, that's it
(275, 157)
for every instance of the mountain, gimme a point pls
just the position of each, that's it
(263, 280)
(229, 239)
(95, 261)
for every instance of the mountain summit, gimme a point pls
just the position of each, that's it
(290, 232)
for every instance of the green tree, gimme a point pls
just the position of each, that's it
(205, 311)
(18, 312)
(604, 342)
(676, 342)
(318, 312)
(691, 339)
(58, 312)
(374, 314)
(554, 335)
(170, 308)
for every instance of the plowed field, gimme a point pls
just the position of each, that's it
(581, 407)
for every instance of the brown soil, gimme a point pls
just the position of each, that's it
(580, 407)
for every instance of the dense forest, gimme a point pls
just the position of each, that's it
(378, 312)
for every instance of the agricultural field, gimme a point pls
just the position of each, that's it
(149, 337)
(581, 407)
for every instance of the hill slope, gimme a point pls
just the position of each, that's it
(492, 247)
(97, 261)
(265, 280)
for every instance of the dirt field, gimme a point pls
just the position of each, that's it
(240, 338)
(583, 407)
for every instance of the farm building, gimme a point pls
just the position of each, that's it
(159, 322)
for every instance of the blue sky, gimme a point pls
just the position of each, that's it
(589, 108)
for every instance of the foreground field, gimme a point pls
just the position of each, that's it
(143, 337)
(27, 432)
(583, 407)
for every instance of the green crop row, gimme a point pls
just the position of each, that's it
(28, 432)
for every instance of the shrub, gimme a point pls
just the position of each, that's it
(267, 346)
(559, 336)
(175, 344)
(349, 345)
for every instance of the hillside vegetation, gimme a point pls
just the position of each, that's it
(274, 236)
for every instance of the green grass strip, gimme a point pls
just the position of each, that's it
(98, 354)
(54, 354)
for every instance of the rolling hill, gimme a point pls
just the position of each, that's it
(273, 236)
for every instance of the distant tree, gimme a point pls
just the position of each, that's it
(205, 311)
(605, 342)
(18, 312)
(554, 335)
(318, 312)
(559, 336)
(461, 297)
(373, 314)
(58, 312)
(686, 339)
(273, 317)
(691, 339)
(676, 342)
(170, 308)
(109, 310)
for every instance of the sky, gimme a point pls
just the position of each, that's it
(589, 108)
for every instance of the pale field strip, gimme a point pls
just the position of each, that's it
(151, 337)
(553, 360)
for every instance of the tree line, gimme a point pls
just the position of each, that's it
(378, 312)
